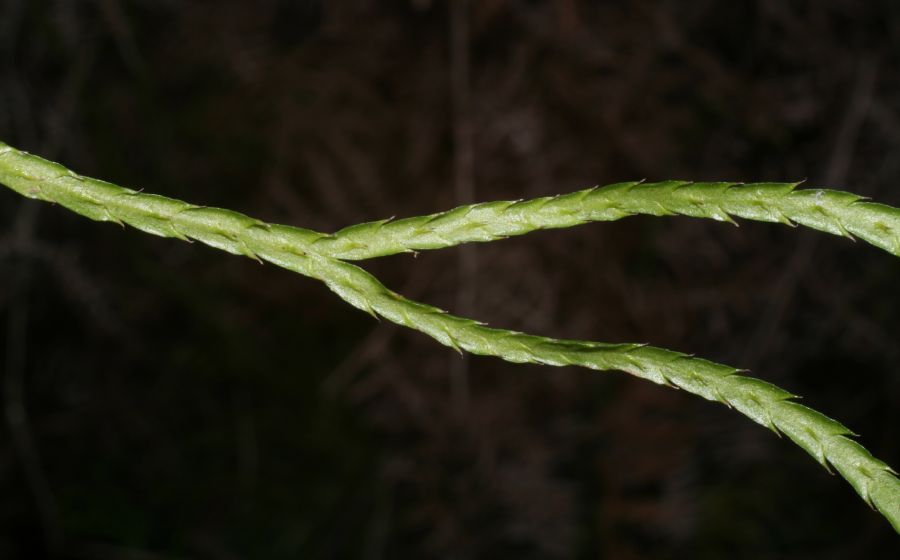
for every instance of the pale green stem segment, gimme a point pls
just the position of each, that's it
(834, 212)
(307, 253)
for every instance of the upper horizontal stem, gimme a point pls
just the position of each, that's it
(835, 212)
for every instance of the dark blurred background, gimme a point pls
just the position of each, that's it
(164, 400)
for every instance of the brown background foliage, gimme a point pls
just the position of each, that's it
(163, 400)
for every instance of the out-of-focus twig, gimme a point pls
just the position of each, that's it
(836, 174)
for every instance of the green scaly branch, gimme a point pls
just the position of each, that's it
(316, 255)
(835, 212)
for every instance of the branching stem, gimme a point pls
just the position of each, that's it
(316, 255)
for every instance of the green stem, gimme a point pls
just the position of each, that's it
(823, 438)
(834, 212)
(312, 254)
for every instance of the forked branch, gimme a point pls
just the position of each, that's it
(317, 255)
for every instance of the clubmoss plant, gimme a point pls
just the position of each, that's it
(322, 256)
